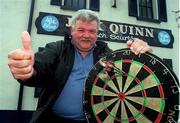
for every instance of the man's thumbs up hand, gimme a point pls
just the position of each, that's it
(21, 60)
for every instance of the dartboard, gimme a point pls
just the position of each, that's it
(128, 88)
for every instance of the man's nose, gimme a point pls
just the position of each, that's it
(86, 34)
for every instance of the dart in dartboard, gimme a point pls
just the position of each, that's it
(128, 88)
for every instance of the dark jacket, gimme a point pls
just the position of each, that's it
(53, 66)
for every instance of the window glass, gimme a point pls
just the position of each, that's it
(75, 4)
(145, 9)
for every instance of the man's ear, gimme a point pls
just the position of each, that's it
(70, 29)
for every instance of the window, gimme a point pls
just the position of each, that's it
(77, 4)
(150, 10)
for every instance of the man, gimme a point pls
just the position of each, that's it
(62, 67)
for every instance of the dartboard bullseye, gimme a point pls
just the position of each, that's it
(124, 87)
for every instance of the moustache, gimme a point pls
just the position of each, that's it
(86, 39)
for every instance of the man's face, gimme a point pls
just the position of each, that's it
(84, 35)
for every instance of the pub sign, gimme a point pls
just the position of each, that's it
(57, 24)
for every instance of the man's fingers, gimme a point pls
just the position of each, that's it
(129, 43)
(138, 46)
(19, 63)
(146, 49)
(139, 49)
(19, 55)
(23, 76)
(26, 40)
(24, 70)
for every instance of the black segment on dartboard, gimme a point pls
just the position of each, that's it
(100, 83)
(132, 85)
(102, 115)
(137, 94)
(142, 76)
(125, 68)
(106, 98)
(118, 114)
(97, 99)
(113, 78)
(153, 92)
(110, 107)
(150, 114)
(135, 104)
(130, 115)
(109, 89)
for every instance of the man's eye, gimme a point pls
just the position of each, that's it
(93, 31)
(80, 30)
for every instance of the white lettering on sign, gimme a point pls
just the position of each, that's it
(120, 37)
(102, 35)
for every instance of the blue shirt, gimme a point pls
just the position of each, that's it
(69, 104)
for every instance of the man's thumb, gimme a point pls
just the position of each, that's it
(26, 40)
